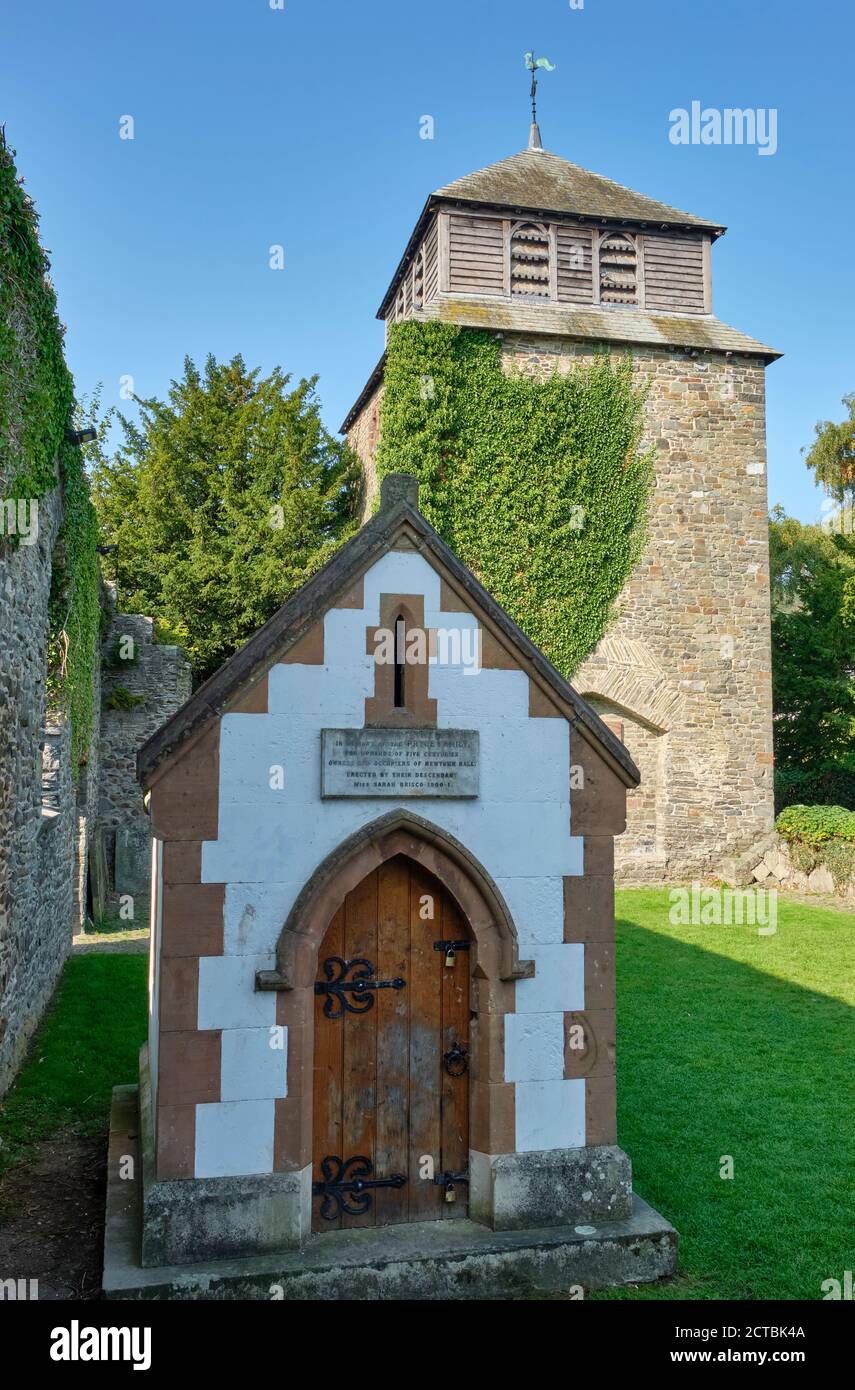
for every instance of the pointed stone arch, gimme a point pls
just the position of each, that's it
(622, 671)
(494, 963)
(399, 832)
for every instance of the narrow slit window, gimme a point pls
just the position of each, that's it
(400, 640)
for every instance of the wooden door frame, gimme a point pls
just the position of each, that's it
(494, 967)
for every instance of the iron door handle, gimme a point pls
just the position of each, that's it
(456, 1060)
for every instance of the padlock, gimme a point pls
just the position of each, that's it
(450, 1195)
(449, 956)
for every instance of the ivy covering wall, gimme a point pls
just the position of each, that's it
(75, 606)
(539, 486)
(36, 402)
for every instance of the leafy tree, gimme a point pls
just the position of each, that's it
(832, 455)
(813, 641)
(221, 501)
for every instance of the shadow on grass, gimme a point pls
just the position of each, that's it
(86, 1044)
(719, 1054)
(717, 1057)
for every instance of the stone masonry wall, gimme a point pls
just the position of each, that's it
(36, 799)
(687, 666)
(363, 438)
(86, 806)
(161, 677)
(47, 820)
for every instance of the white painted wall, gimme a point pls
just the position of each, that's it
(270, 842)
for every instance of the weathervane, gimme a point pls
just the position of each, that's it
(533, 64)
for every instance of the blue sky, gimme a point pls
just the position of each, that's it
(299, 126)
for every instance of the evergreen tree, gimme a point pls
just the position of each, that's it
(221, 501)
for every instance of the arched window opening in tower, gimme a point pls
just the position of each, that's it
(530, 260)
(618, 270)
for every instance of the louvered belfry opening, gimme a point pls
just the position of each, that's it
(530, 260)
(618, 269)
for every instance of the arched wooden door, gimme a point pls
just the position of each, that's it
(391, 1066)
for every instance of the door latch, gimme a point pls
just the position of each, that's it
(447, 1181)
(450, 948)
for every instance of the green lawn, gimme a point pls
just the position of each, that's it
(729, 1043)
(88, 1043)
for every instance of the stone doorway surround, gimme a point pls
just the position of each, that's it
(495, 967)
(641, 705)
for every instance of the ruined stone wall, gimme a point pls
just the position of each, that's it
(86, 807)
(159, 679)
(48, 822)
(687, 666)
(36, 798)
(363, 438)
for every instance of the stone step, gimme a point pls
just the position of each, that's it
(431, 1260)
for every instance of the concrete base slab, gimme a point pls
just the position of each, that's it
(425, 1260)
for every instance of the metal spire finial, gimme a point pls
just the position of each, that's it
(532, 64)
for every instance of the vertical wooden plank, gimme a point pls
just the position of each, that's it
(506, 257)
(553, 261)
(327, 1078)
(425, 1045)
(707, 275)
(393, 1027)
(360, 1037)
(455, 1028)
(595, 263)
(444, 271)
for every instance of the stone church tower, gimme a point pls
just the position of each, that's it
(560, 263)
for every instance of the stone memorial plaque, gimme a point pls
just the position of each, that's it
(399, 762)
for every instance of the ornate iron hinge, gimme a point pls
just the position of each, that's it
(359, 986)
(346, 1176)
